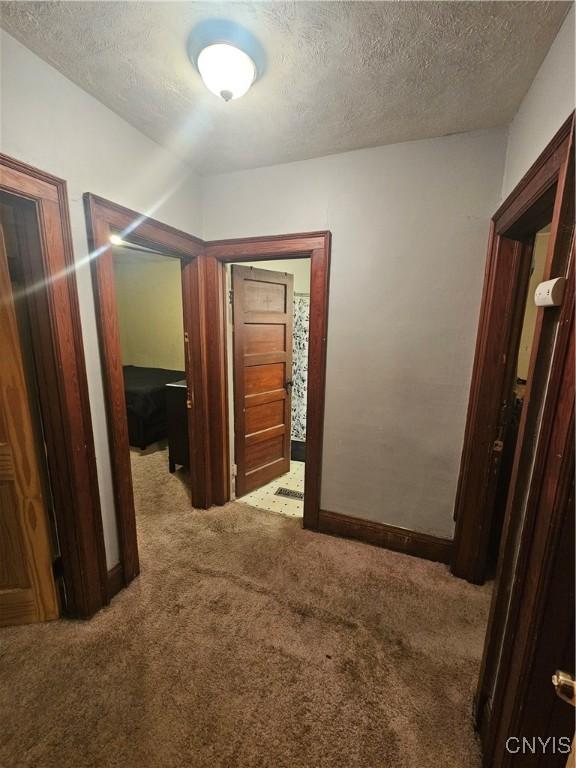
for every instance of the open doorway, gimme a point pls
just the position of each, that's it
(148, 288)
(515, 400)
(146, 280)
(267, 341)
(314, 248)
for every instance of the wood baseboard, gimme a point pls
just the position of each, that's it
(388, 536)
(115, 580)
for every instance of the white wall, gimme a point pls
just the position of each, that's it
(50, 123)
(547, 104)
(410, 227)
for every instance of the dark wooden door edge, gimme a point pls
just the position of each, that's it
(313, 245)
(65, 392)
(102, 218)
(115, 580)
(525, 209)
(387, 536)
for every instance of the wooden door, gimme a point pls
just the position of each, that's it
(263, 318)
(27, 590)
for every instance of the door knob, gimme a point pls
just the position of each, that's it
(565, 686)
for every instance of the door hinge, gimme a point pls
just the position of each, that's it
(230, 296)
(234, 470)
(186, 338)
(499, 442)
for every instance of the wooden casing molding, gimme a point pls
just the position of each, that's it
(104, 218)
(63, 392)
(316, 247)
(528, 208)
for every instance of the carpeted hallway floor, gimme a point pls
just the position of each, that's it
(246, 642)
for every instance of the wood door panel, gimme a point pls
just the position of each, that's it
(264, 452)
(259, 379)
(264, 416)
(274, 396)
(263, 475)
(27, 590)
(265, 434)
(262, 338)
(13, 573)
(262, 297)
(263, 320)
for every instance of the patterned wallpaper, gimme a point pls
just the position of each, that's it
(300, 365)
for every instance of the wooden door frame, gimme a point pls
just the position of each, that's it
(526, 209)
(104, 218)
(316, 247)
(531, 542)
(64, 388)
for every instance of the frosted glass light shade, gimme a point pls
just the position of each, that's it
(226, 70)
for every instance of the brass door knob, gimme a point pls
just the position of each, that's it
(565, 686)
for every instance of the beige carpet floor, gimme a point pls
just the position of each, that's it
(247, 642)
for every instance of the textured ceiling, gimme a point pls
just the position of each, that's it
(339, 75)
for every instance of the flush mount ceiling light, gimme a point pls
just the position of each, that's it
(228, 57)
(226, 70)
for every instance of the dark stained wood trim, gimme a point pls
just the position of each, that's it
(64, 396)
(316, 247)
(388, 536)
(548, 525)
(292, 246)
(539, 178)
(540, 486)
(103, 218)
(217, 375)
(513, 226)
(115, 580)
(492, 382)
